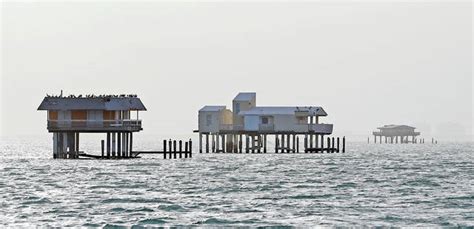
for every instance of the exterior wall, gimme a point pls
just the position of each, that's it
(238, 106)
(252, 122)
(286, 123)
(226, 117)
(209, 121)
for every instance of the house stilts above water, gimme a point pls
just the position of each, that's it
(252, 125)
(397, 133)
(68, 117)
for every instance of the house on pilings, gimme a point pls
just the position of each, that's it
(68, 117)
(252, 124)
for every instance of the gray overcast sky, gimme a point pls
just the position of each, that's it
(366, 63)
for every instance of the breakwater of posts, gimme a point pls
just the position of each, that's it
(172, 149)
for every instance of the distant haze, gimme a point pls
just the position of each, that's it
(366, 63)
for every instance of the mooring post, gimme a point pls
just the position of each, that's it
(344, 144)
(190, 148)
(337, 144)
(186, 150)
(102, 148)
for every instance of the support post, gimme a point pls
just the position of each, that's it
(240, 143)
(102, 145)
(344, 144)
(180, 148)
(200, 142)
(264, 143)
(131, 144)
(282, 149)
(119, 145)
(246, 144)
(297, 144)
(108, 145)
(276, 143)
(207, 143)
(175, 151)
(294, 143)
(332, 145)
(337, 144)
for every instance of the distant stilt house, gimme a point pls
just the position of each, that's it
(67, 117)
(252, 124)
(396, 133)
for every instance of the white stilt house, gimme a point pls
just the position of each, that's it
(67, 117)
(250, 121)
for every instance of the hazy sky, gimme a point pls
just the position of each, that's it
(366, 63)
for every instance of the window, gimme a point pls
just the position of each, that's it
(208, 120)
(264, 120)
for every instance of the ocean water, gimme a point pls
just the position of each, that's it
(369, 185)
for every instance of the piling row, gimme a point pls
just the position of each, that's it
(257, 143)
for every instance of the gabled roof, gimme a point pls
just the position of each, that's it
(95, 103)
(245, 96)
(319, 111)
(392, 126)
(213, 108)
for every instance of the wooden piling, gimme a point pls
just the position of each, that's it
(344, 144)
(186, 150)
(306, 143)
(108, 145)
(190, 148)
(264, 143)
(200, 143)
(276, 143)
(282, 148)
(180, 149)
(174, 149)
(223, 144)
(102, 148)
(240, 143)
(332, 145)
(246, 144)
(329, 144)
(297, 144)
(337, 145)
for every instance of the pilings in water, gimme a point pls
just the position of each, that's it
(172, 149)
(400, 139)
(252, 142)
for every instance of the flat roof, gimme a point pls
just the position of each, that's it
(392, 126)
(312, 110)
(213, 108)
(245, 96)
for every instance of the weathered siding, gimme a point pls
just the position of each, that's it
(209, 121)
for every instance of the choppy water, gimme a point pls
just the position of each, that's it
(370, 185)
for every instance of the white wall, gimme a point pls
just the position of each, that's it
(215, 120)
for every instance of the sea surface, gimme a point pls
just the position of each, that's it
(369, 185)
